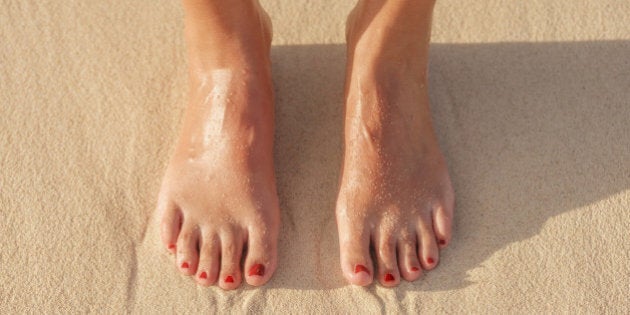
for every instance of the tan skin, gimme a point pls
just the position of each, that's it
(218, 196)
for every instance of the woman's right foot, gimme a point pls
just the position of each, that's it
(218, 200)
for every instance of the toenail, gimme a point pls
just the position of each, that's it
(171, 246)
(389, 277)
(442, 242)
(229, 279)
(430, 260)
(415, 268)
(257, 270)
(185, 265)
(359, 268)
(203, 275)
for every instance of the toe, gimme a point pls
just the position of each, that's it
(428, 252)
(187, 249)
(231, 251)
(388, 273)
(170, 226)
(442, 221)
(260, 263)
(408, 264)
(354, 247)
(209, 265)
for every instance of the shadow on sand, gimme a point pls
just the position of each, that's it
(530, 131)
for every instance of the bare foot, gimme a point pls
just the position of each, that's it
(218, 200)
(395, 193)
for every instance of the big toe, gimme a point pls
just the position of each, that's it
(354, 246)
(261, 260)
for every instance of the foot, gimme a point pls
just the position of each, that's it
(395, 194)
(218, 200)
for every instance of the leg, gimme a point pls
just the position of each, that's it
(218, 196)
(395, 193)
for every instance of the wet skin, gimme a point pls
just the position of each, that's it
(218, 202)
(395, 196)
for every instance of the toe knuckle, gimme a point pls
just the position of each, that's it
(206, 261)
(209, 241)
(229, 249)
(387, 247)
(405, 235)
(187, 236)
(166, 226)
(443, 206)
(407, 243)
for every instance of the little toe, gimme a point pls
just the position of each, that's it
(408, 264)
(389, 275)
(260, 263)
(354, 248)
(170, 226)
(442, 222)
(428, 252)
(209, 264)
(188, 250)
(231, 252)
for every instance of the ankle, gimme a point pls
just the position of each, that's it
(238, 33)
(212, 16)
(392, 29)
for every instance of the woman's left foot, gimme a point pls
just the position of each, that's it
(395, 192)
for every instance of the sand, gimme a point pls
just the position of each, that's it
(531, 100)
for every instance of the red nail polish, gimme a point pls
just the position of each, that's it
(442, 242)
(171, 246)
(359, 268)
(257, 270)
(185, 265)
(203, 275)
(415, 268)
(389, 277)
(430, 260)
(229, 279)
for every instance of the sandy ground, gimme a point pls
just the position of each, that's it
(531, 100)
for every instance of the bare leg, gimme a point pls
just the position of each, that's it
(218, 196)
(395, 192)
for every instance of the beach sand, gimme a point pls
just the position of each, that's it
(531, 101)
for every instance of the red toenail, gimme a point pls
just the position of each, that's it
(359, 268)
(257, 270)
(185, 265)
(415, 268)
(430, 260)
(389, 277)
(171, 246)
(229, 279)
(442, 242)
(203, 275)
